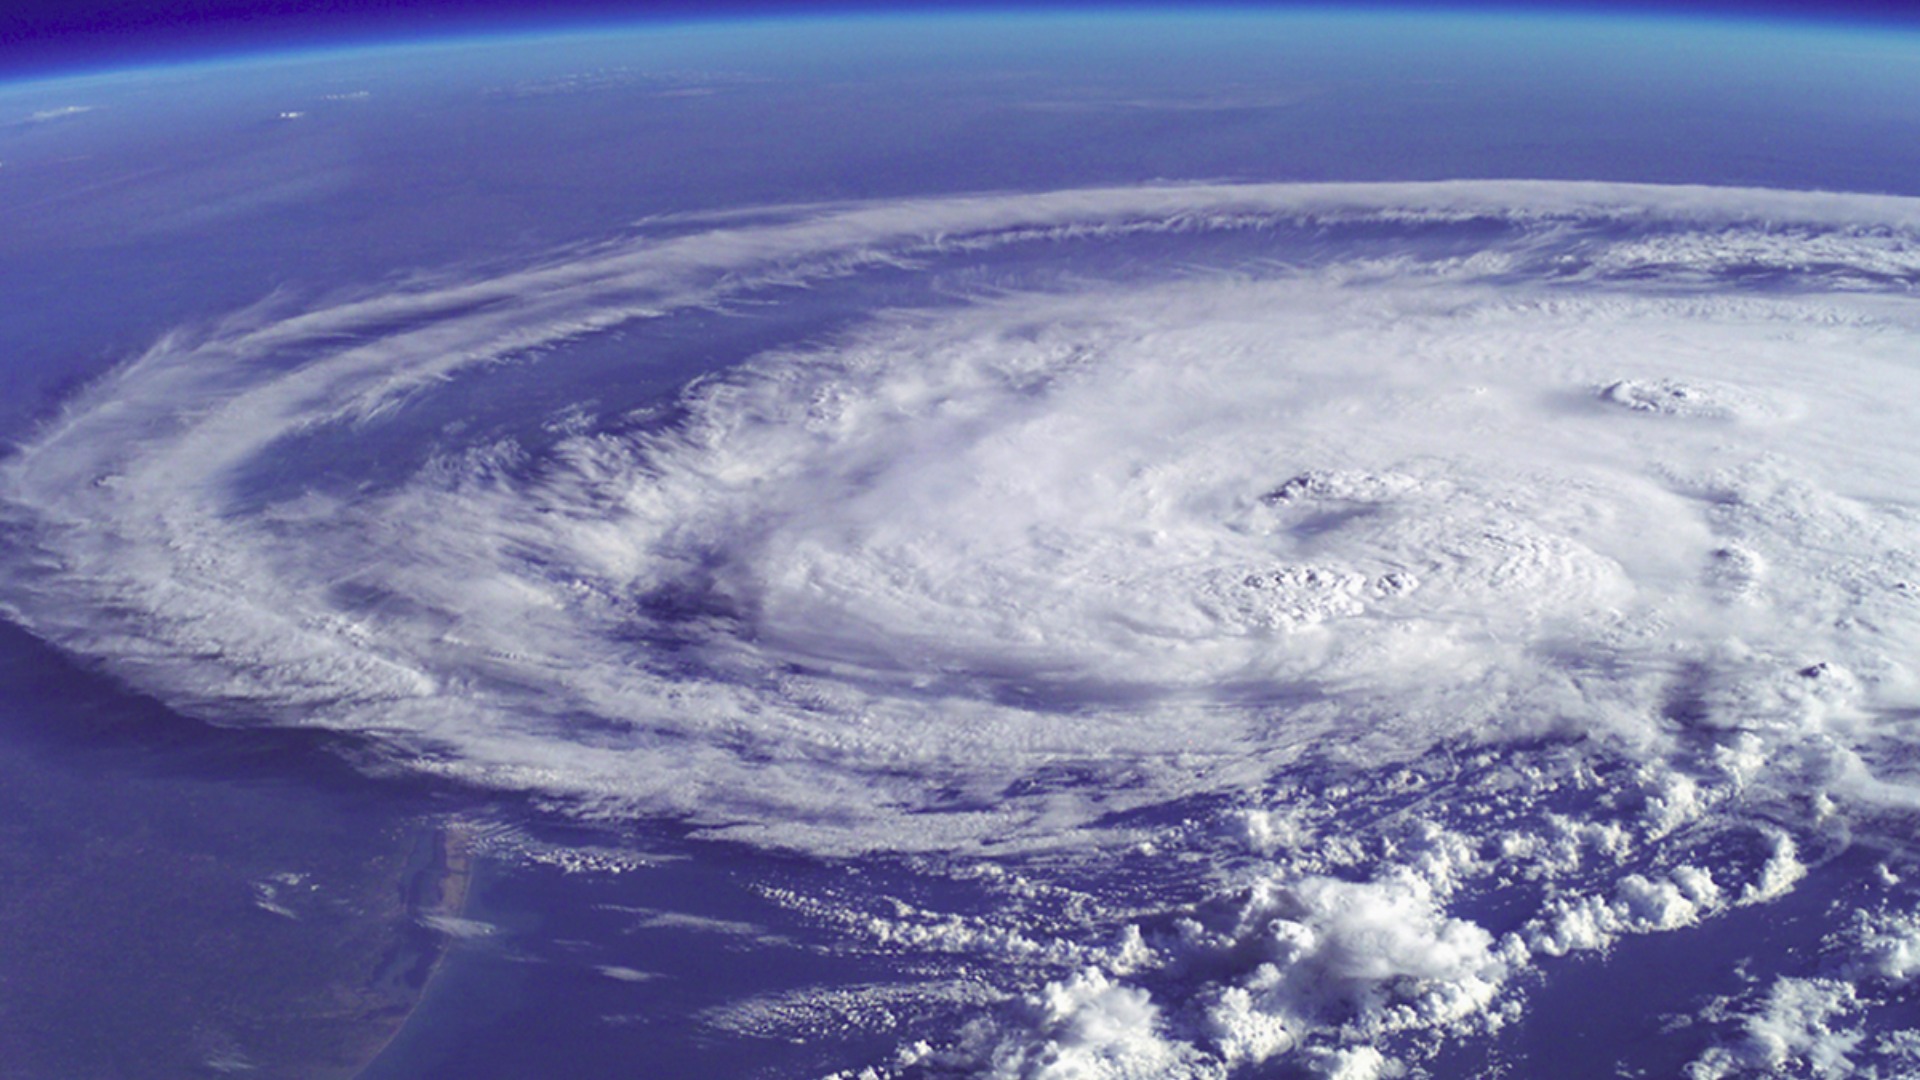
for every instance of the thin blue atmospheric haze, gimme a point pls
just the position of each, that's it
(45, 38)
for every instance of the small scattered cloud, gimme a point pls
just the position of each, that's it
(45, 116)
(456, 927)
(625, 974)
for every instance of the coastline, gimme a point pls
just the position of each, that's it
(433, 892)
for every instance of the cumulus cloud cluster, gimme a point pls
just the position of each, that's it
(1470, 468)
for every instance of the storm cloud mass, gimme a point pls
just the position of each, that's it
(1397, 540)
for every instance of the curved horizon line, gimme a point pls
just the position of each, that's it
(66, 42)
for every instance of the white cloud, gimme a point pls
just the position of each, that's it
(45, 116)
(619, 973)
(1085, 1028)
(1794, 1025)
(1179, 531)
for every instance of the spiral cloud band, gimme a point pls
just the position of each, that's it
(1534, 468)
(1009, 519)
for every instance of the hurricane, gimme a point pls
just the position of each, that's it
(1311, 611)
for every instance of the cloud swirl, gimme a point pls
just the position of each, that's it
(1119, 497)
